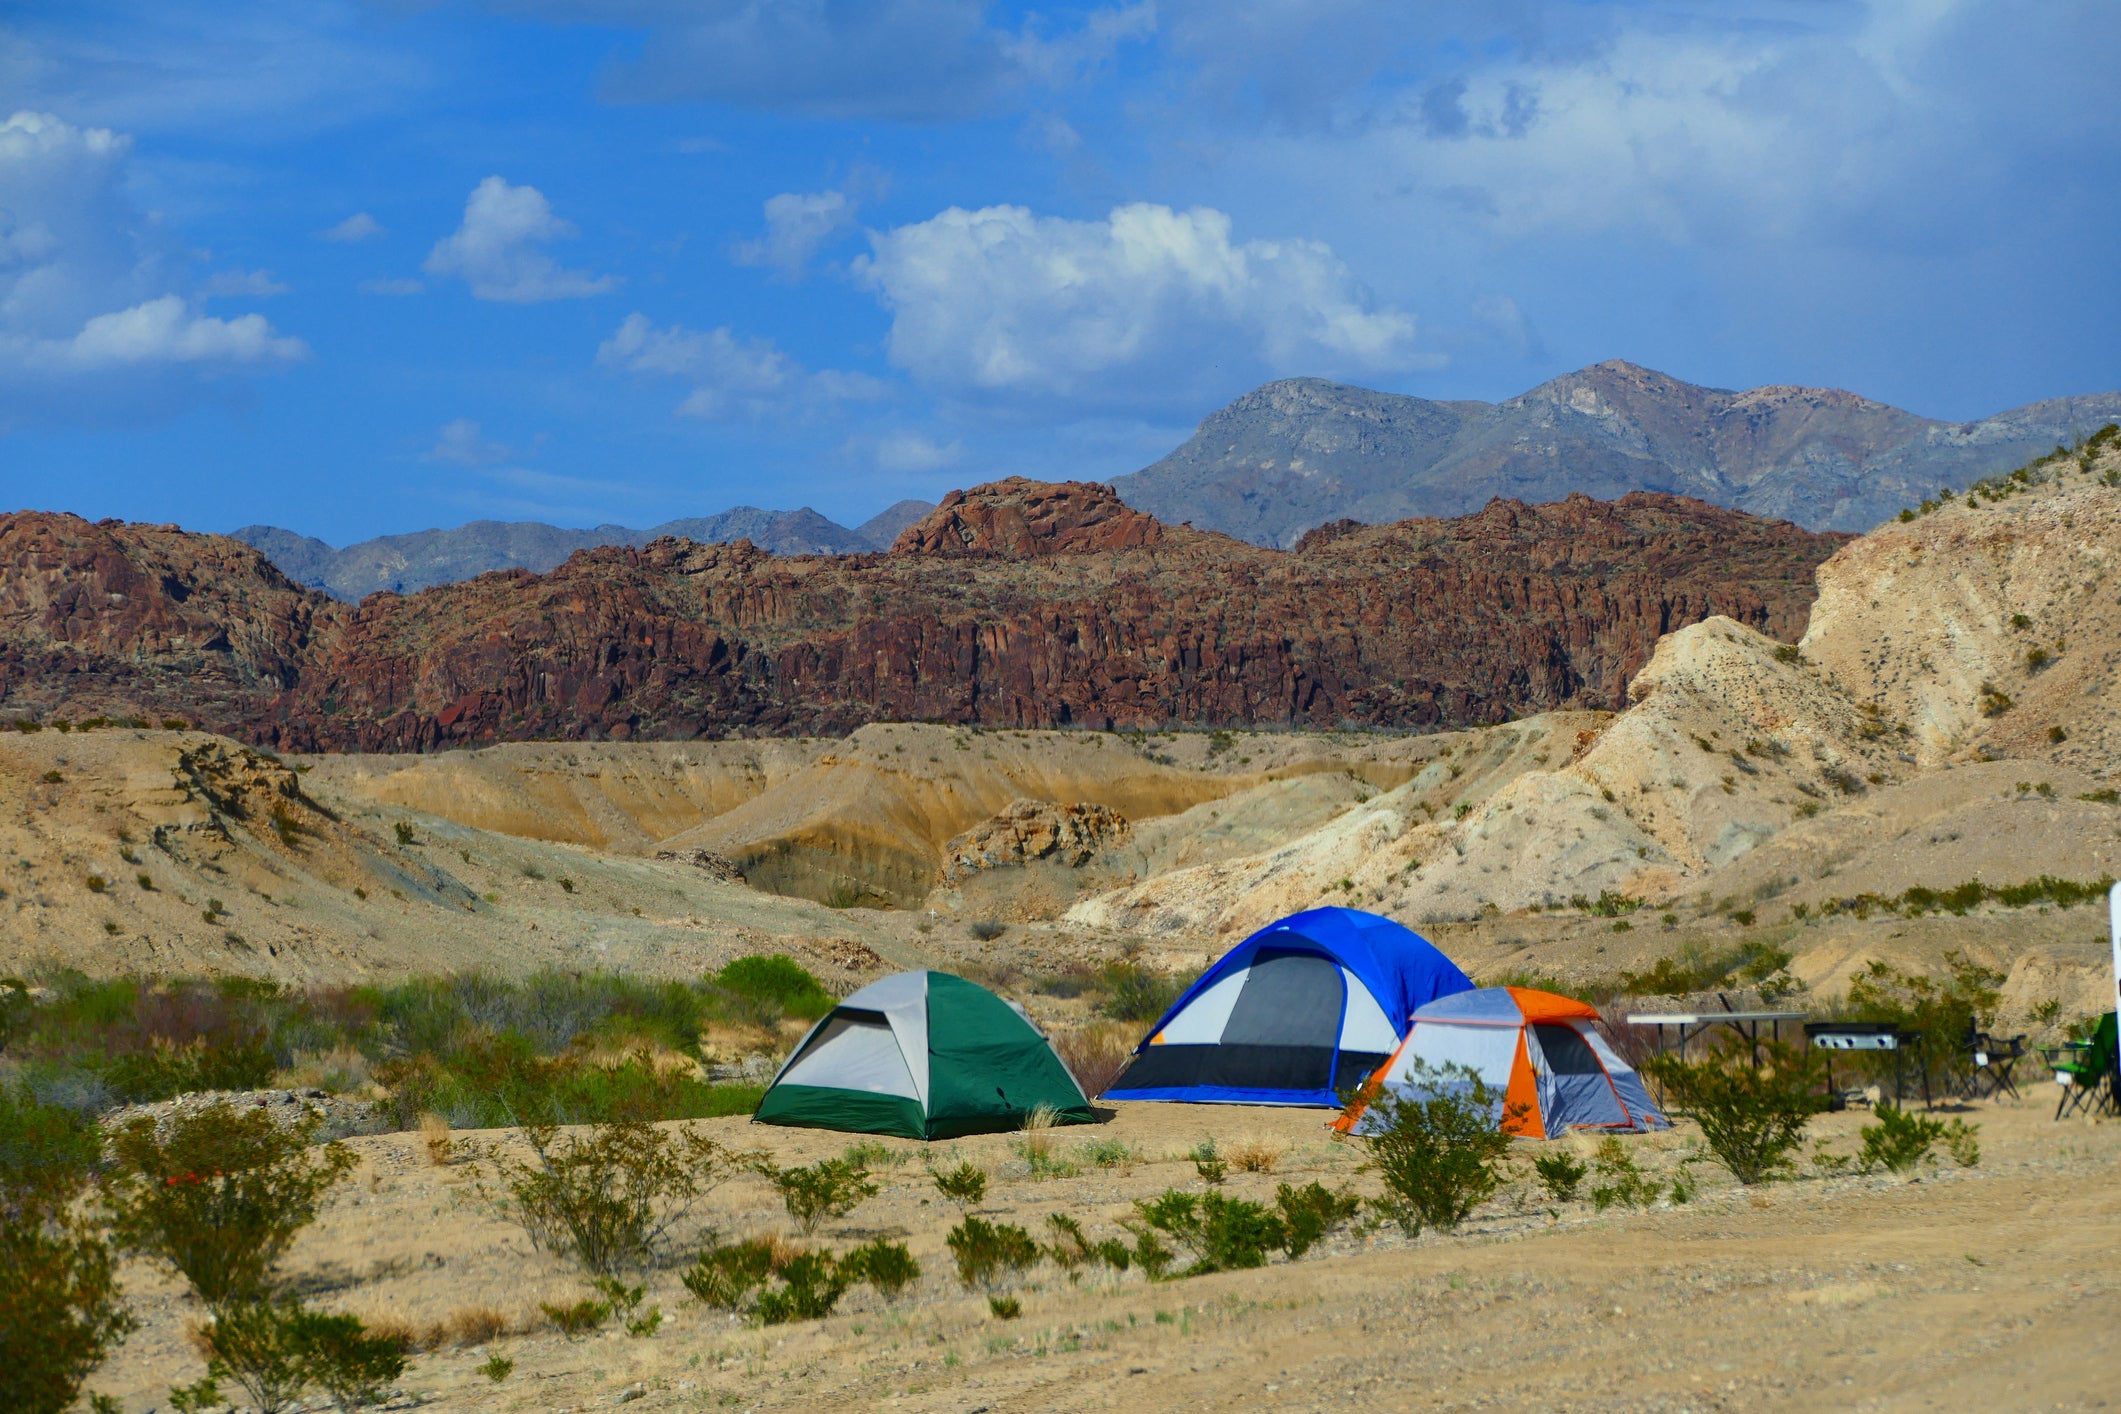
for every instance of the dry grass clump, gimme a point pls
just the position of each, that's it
(1254, 1155)
(338, 1070)
(1095, 1055)
(1037, 1130)
(465, 1326)
(434, 1138)
(398, 1332)
(477, 1325)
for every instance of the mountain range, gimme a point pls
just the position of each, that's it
(1015, 604)
(406, 564)
(1303, 452)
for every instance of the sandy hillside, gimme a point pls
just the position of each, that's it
(1948, 717)
(613, 796)
(1988, 1287)
(867, 817)
(181, 852)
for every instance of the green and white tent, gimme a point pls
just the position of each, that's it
(924, 1055)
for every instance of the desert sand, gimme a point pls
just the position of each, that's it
(1995, 1286)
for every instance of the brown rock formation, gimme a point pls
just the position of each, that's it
(110, 617)
(1020, 519)
(1015, 604)
(1030, 830)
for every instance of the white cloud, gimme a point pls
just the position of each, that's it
(461, 443)
(908, 451)
(797, 223)
(1897, 125)
(730, 375)
(97, 307)
(387, 285)
(358, 227)
(253, 284)
(1146, 304)
(498, 250)
(165, 331)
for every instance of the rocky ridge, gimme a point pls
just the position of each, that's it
(1017, 604)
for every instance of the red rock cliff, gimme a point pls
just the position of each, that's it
(1018, 603)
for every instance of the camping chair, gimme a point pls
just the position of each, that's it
(2087, 1078)
(1989, 1064)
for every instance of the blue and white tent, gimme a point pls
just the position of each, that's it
(1299, 1012)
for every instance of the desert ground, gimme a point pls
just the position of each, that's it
(1996, 1286)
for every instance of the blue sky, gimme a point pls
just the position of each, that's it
(359, 268)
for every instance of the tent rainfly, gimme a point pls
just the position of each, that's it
(1540, 1053)
(923, 1055)
(1293, 1015)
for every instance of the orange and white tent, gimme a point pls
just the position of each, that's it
(1541, 1053)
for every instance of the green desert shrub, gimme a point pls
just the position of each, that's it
(1072, 1250)
(887, 1266)
(1752, 1116)
(741, 1277)
(1312, 1213)
(45, 1150)
(726, 1276)
(1942, 1012)
(1754, 964)
(965, 1185)
(778, 980)
(1438, 1147)
(830, 1188)
(1106, 1153)
(1221, 1233)
(606, 1200)
(1208, 1162)
(276, 1351)
(1131, 992)
(219, 1196)
(625, 1302)
(988, 1254)
(61, 1311)
(1963, 1142)
(1560, 1173)
(482, 1052)
(1900, 1141)
(578, 1318)
(1619, 1181)
(811, 1285)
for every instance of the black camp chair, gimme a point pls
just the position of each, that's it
(1989, 1063)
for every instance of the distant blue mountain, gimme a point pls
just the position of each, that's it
(405, 564)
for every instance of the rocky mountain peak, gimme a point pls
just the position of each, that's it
(1304, 452)
(1018, 518)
